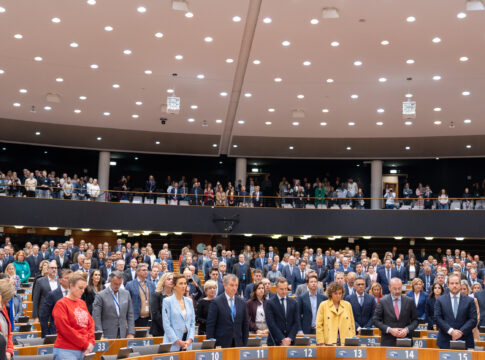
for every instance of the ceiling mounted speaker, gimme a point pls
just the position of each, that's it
(53, 98)
(474, 5)
(180, 5)
(330, 13)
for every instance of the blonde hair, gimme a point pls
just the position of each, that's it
(374, 285)
(41, 265)
(9, 266)
(161, 282)
(210, 283)
(7, 290)
(415, 282)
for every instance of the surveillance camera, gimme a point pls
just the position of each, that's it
(163, 120)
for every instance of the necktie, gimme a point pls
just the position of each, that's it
(388, 276)
(396, 308)
(302, 275)
(361, 300)
(455, 306)
(233, 308)
(283, 304)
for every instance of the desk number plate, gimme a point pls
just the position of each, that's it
(402, 354)
(101, 346)
(209, 355)
(45, 350)
(350, 353)
(167, 357)
(147, 342)
(301, 353)
(251, 354)
(450, 355)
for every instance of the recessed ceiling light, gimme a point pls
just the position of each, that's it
(385, 42)
(330, 81)
(291, 147)
(116, 86)
(74, 44)
(94, 66)
(170, 91)
(2, 71)
(208, 39)
(148, 72)
(136, 158)
(278, 79)
(334, 43)
(191, 120)
(382, 79)
(463, 59)
(465, 93)
(99, 138)
(59, 79)
(2, 9)
(141, 9)
(16, 104)
(18, 36)
(241, 122)
(77, 111)
(256, 62)
(408, 147)
(467, 121)
(437, 109)
(23, 91)
(437, 77)
(56, 20)
(135, 116)
(47, 108)
(323, 124)
(286, 43)
(306, 63)
(157, 142)
(379, 123)
(248, 95)
(267, 20)
(436, 40)
(349, 148)
(189, 15)
(236, 18)
(179, 57)
(218, 121)
(268, 123)
(351, 123)
(38, 58)
(91, 2)
(229, 60)
(437, 122)
(234, 145)
(295, 123)
(223, 93)
(82, 97)
(325, 110)
(159, 35)
(194, 107)
(409, 95)
(468, 146)
(200, 76)
(300, 96)
(314, 21)
(106, 113)
(358, 63)
(380, 110)
(409, 61)
(408, 123)
(461, 15)
(127, 52)
(37, 133)
(411, 19)
(271, 110)
(354, 96)
(108, 28)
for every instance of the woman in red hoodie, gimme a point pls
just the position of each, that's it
(7, 291)
(75, 326)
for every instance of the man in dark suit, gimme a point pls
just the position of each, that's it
(34, 261)
(395, 314)
(282, 316)
(428, 279)
(258, 276)
(44, 286)
(299, 276)
(45, 313)
(363, 306)
(79, 264)
(257, 197)
(480, 296)
(243, 273)
(308, 304)
(384, 276)
(321, 270)
(62, 260)
(288, 271)
(130, 273)
(214, 276)
(106, 269)
(400, 271)
(227, 321)
(456, 316)
(261, 261)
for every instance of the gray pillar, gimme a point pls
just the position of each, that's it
(376, 184)
(241, 170)
(103, 173)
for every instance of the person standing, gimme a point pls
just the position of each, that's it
(456, 315)
(75, 327)
(141, 292)
(363, 306)
(113, 311)
(395, 314)
(243, 273)
(42, 287)
(308, 304)
(227, 321)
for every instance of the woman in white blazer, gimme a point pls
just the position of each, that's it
(178, 317)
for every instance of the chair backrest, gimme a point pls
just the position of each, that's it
(146, 350)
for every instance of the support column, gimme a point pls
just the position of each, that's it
(103, 173)
(376, 184)
(241, 171)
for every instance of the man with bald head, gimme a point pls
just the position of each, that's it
(395, 314)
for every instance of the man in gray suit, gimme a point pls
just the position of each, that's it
(113, 310)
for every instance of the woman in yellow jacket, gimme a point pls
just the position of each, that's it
(335, 319)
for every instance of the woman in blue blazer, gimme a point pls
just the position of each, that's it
(419, 297)
(437, 291)
(178, 317)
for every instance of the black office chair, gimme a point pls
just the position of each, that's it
(30, 342)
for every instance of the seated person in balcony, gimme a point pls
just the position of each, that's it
(390, 197)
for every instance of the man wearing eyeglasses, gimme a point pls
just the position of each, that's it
(42, 288)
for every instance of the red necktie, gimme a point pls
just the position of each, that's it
(396, 308)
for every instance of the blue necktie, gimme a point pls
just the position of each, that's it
(233, 308)
(455, 306)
